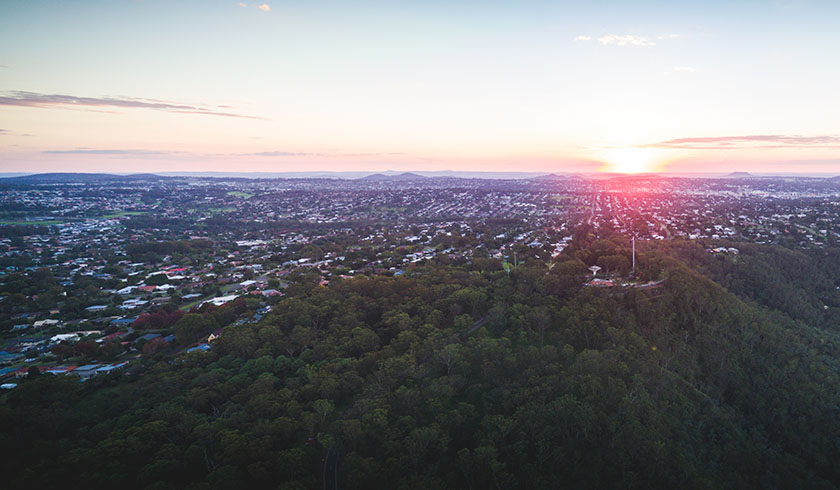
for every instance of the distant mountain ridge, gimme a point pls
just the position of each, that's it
(548, 177)
(391, 178)
(387, 176)
(69, 177)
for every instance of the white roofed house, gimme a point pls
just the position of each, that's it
(219, 301)
(62, 337)
(132, 304)
(45, 323)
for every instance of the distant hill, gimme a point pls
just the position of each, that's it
(392, 178)
(62, 177)
(548, 178)
(738, 175)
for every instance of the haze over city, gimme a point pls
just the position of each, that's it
(221, 86)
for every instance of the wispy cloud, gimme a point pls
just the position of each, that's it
(262, 6)
(749, 141)
(684, 69)
(281, 154)
(627, 39)
(317, 154)
(120, 152)
(8, 132)
(31, 99)
(830, 164)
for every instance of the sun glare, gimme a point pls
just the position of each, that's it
(630, 160)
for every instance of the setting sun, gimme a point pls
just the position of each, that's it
(630, 160)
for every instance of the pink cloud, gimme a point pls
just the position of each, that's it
(749, 142)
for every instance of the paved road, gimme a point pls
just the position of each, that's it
(331, 470)
(475, 326)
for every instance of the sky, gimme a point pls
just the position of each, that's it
(543, 86)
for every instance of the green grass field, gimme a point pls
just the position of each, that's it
(33, 223)
(120, 214)
(243, 195)
(191, 304)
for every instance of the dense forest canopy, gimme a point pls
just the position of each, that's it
(723, 374)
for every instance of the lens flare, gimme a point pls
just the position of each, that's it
(631, 160)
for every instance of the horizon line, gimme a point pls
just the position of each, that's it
(490, 175)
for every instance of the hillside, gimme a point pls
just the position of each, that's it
(467, 377)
